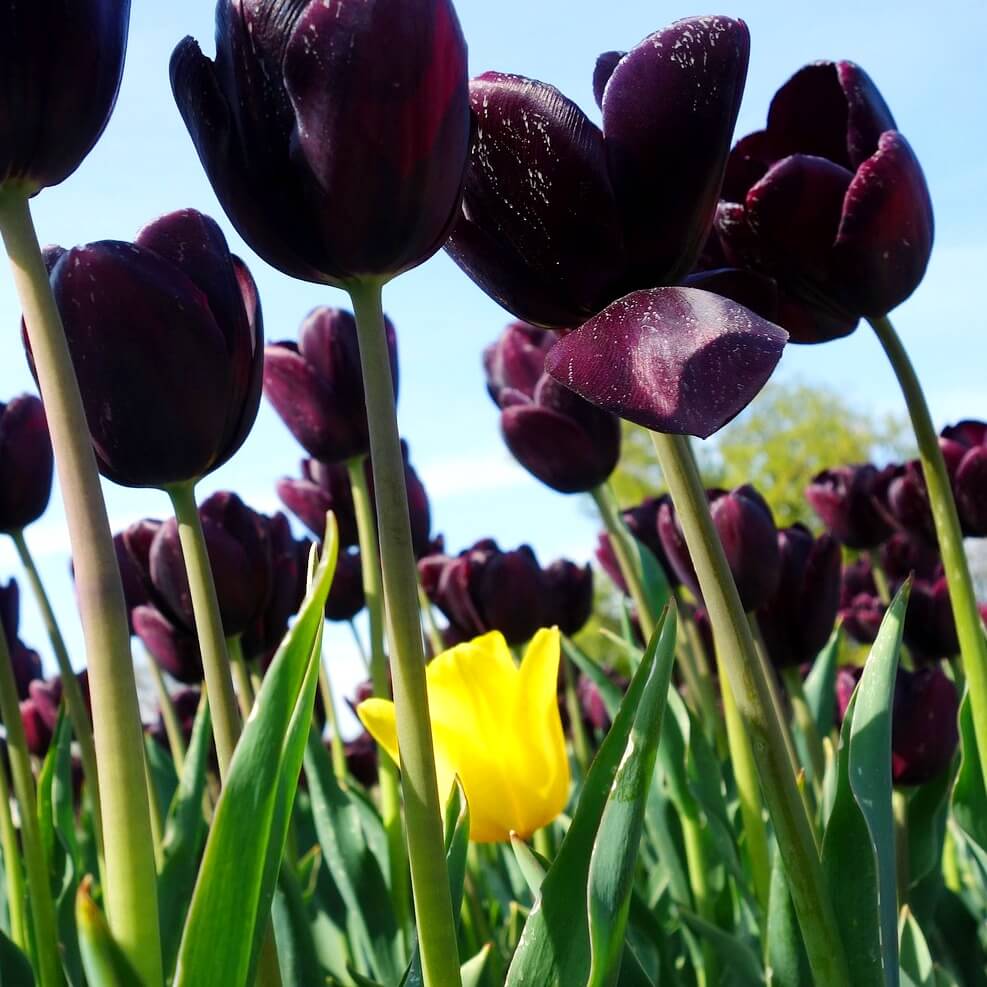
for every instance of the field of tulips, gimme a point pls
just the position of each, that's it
(729, 753)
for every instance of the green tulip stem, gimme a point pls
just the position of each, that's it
(74, 703)
(131, 885)
(749, 684)
(431, 627)
(12, 871)
(336, 748)
(157, 827)
(622, 543)
(169, 716)
(39, 898)
(969, 626)
(749, 795)
(574, 709)
(241, 676)
(423, 810)
(390, 794)
(806, 723)
(880, 578)
(699, 680)
(208, 625)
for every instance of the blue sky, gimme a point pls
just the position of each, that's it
(930, 69)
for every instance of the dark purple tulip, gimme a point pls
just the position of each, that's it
(925, 734)
(908, 501)
(47, 697)
(847, 677)
(595, 714)
(555, 435)
(750, 540)
(484, 589)
(799, 618)
(559, 217)
(965, 448)
(25, 662)
(26, 463)
(642, 522)
(316, 385)
(335, 136)
(174, 647)
(239, 555)
(62, 64)
(166, 337)
(37, 733)
(905, 554)
(569, 595)
(675, 360)
(361, 759)
(321, 488)
(848, 500)
(930, 630)
(830, 200)
(861, 617)
(346, 597)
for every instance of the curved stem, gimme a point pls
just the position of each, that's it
(241, 676)
(423, 812)
(336, 747)
(131, 886)
(13, 875)
(969, 626)
(793, 830)
(74, 703)
(208, 625)
(806, 724)
(432, 631)
(699, 866)
(39, 898)
(390, 795)
(173, 729)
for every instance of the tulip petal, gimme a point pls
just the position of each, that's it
(26, 463)
(540, 231)
(669, 110)
(751, 289)
(885, 238)
(602, 71)
(675, 360)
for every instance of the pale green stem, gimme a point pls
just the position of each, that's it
(241, 676)
(13, 874)
(39, 898)
(336, 747)
(169, 715)
(157, 826)
(749, 795)
(72, 693)
(807, 724)
(387, 772)
(423, 811)
(969, 626)
(748, 681)
(131, 885)
(698, 868)
(880, 579)
(622, 543)
(580, 741)
(431, 627)
(208, 626)
(702, 678)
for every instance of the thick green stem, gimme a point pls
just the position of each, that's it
(969, 626)
(131, 886)
(749, 684)
(336, 747)
(423, 811)
(169, 715)
(698, 867)
(622, 543)
(208, 626)
(13, 874)
(39, 887)
(749, 794)
(241, 677)
(390, 795)
(74, 703)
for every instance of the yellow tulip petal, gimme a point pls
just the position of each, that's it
(377, 715)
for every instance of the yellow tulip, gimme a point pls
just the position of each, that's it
(497, 727)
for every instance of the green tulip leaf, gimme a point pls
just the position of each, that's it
(15, 967)
(784, 947)
(102, 958)
(820, 684)
(736, 956)
(969, 794)
(916, 961)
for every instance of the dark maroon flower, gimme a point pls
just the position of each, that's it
(174, 647)
(316, 385)
(847, 677)
(908, 501)
(26, 463)
(62, 64)
(346, 597)
(361, 759)
(965, 448)
(47, 697)
(750, 540)
(26, 663)
(595, 714)
(830, 200)
(642, 522)
(848, 500)
(559, 217)
(555, 435)
(569, 589)
(166, 338)
(905, 554)
(484, 589)
(320, 489)
(37, 733)
(675, 360)
(861, 617)
(930, 630)
(797, 621)
(335, 136)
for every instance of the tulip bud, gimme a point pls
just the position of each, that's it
(335, 136)
(797, 621)
(62, 68)
(25, 662)
(830, 200)
(847, 500)
(172, 646)
(904, 554)
(750, 541)
(968, 442)
(361, 759)
(26, 463)
(642, 522)
(37, 733)
(925, 732)
(861, 610)
(569, 589)
(556, 436)
(346, 598)
(321, 488)
(930, 630)
(908, 501)
(316, 385)
(166, 338)
(47, 697)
